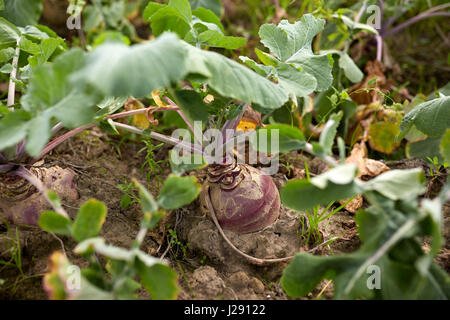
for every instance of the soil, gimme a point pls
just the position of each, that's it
(208, 268)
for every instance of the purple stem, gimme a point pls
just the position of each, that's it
(139, 111)
(392, 19)
(57, 141)
(361, 11)
(6, 167)
(3, 157)
(415, 19)
(160, 137)
(31, 178)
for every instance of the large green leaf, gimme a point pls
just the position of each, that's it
(336, 184)
(292, 44)
(231, 79)
(119, 70)
(22, 12)
(431, 117)
(50, 95)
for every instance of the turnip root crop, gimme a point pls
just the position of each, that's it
(22, 203)
(244, 199)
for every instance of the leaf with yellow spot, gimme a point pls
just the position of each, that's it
(139, 120)
(157, 99)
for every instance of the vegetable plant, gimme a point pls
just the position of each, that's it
(124, 87)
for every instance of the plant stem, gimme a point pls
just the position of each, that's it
(140, 111)
(424, 15)
(57, 141)
(12, 84)
(6, 167)
(361, 11)
(379, 47)
(330, 160)
(160, 137)
(31, 178)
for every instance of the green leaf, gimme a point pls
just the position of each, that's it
(382, 135)
(213, 5)
(45, 50)
(445, 146)
(192, 105)
(306, 271)
(119, 70)
(333, 185)
(54, 222)
(399, 184)
(148, 203)
(178, 191)
(208, 16)
(9, 33)
(431, 117)
(13, 128)
(176, 16)
(159, 280)
(22, 12)
(213, 38)
(6, 55)
(351, 70)
(89, 220)
(231, 79)
(285, 137)
(329, 132)
(258, 68)
(292, 45)
(428, 148)
(50, 95)
(295, 83)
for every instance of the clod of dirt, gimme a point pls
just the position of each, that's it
(277, 241)
(206, 283)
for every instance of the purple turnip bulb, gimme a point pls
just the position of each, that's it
(244, 199)
(21, 203)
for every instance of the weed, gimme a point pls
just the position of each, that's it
(154, 167)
